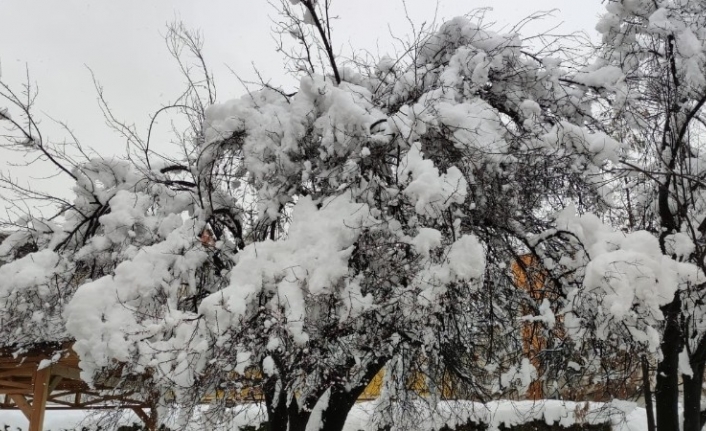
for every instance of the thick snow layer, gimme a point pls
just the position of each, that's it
(624, 416)
(433, 192)
(317, 249)
(29, 301)
(627, 279)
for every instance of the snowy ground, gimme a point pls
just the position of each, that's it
(624, 416)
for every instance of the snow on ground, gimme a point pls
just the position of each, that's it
(624, 416)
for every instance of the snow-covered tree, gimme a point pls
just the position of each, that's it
(659, 49)
(366, 220)
(643, 287)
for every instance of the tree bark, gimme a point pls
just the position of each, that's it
(298, 418)
(276, 404)
(286, 415)
(340, 404)
(647, 391)
(692, 398)
(667, 385)
(341, 401)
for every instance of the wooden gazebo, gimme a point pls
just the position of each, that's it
(47, 377)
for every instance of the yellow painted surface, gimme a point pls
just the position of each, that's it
(374, 388)
(528, 276)
(417, 384)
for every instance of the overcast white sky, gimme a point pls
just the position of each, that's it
(122, 42)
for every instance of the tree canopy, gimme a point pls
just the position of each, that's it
(369, 219)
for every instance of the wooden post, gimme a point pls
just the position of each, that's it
(40, 391)
(21, 402)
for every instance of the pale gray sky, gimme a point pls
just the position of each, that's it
(122, 42)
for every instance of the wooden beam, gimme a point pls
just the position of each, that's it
(14, 384)
(71, 408)
(103, 398)
(61, 402)
(69, 373)
(63, 393)
(21, 402)
(39, 400)
(10, 391)
(19, 371)
(55, 380)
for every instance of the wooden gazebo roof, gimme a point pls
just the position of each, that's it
(47, 376)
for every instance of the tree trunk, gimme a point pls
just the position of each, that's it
(341, 401)
(667, 385)
(286, 415)
(298, 418)
(276, 404)
(340, 404)
(647, 391)
(692, 398)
